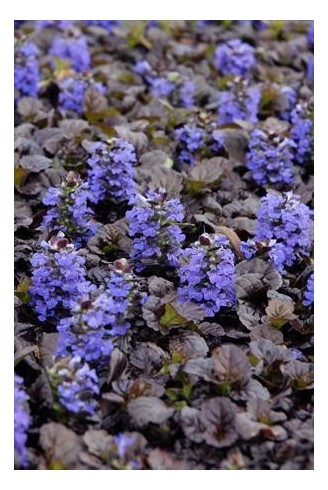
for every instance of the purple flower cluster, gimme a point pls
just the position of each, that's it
(301, 134)
(309, 293)
(72, 91)
(234, 58)
(111, 172)
(58, 278)
(22, 420)
(248, 248)
(75, 385)
(72, 49)
(270, 158)
(160, 86)
(26, 72)
(187, 93)
(286, 225)
(154, 226)
(207, 274)
(191, 139)
(106, 24)
(239, 101)
(99, 317)
(290, 97)
(69, 210)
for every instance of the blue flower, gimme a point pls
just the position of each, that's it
(74, 50)
(69, 211)
(154, 226)
(58, 278)
(301, 134)
(191, 139)
(309, 293)
(248, 248)
(240, 101)
(286, 225)
(270, 158)
(234, 58)
(111, 172)
(76, 386)
(98, 318)
(26, 72)
(22, 421)
(207, 274)
(187, 93)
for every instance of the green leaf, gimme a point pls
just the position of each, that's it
(171, 317)
(19, 175)
(22, 290)
(168, 163)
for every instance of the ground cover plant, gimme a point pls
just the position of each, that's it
(164, 279)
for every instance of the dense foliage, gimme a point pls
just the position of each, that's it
(164, 284)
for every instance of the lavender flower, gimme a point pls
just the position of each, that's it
(270, 158)
(111, 172)
(187, 93)
(240, 101)
(310, 68)
(58, 278)
(234, 58)
(99, 317)
(76, 386)
(69, 210)
(26, 72)
(290, 96)
(22, 421)
(248, 248)
(309, 293)
(207, 274)
(72, 92)
(154, 226)
(74, 50)
(285, 223)
(191, 139)
(301, 134)
(160, 86)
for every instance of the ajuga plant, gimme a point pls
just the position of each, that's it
(234, 58)
(239, 101)
(301, 133)
(72, 92)
(193, 141)
(207, 274)
(270, 157)
(26, 71)
(309, 293)
(248, 248)
(75, 386)
(111, 172)
(58, 278)
(22, 420)
(69, 211)
(154, 226)
(72, 47)
(285, 224)
(98, 318)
